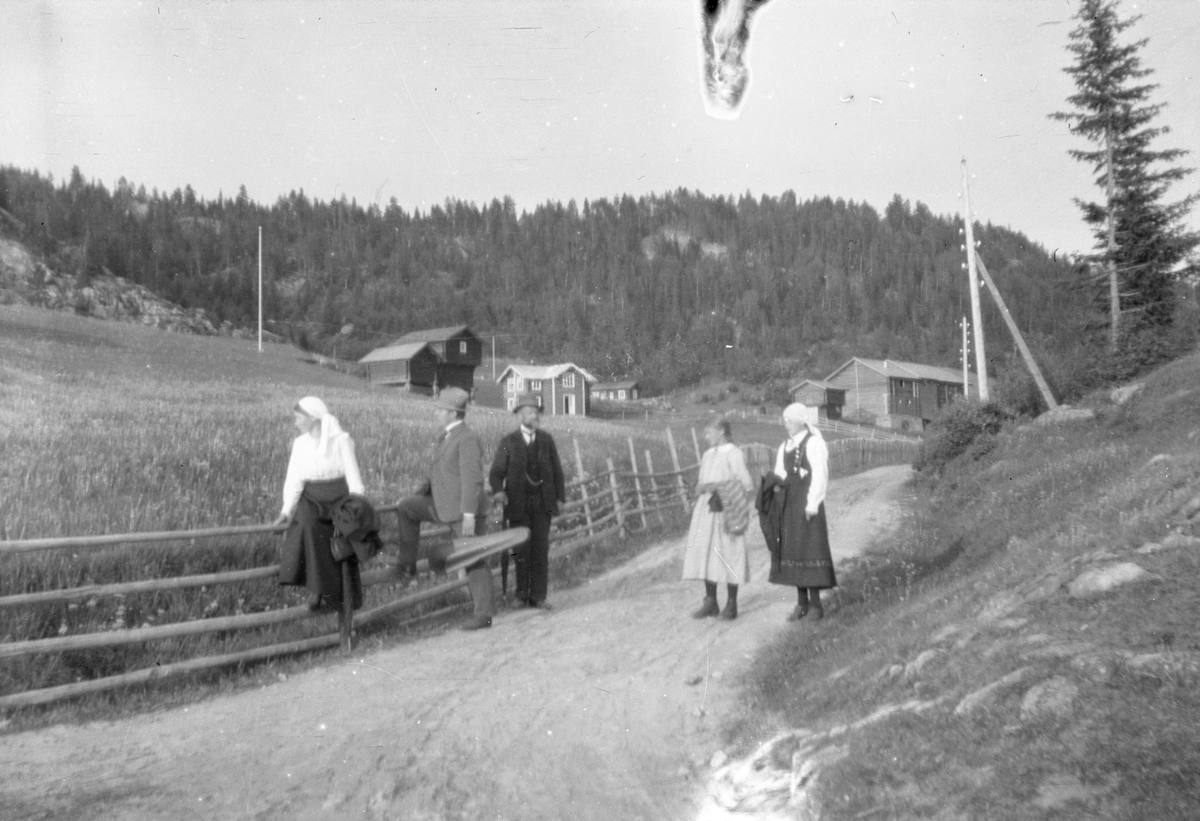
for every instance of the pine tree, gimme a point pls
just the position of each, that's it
(1139, 238)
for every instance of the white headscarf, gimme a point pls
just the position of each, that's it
(796, 412)
(331, 429)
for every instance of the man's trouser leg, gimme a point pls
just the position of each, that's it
(411, 512)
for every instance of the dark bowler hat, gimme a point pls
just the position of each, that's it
(528, 400)
(452, 399)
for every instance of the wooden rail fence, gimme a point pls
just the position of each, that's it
(611, 503)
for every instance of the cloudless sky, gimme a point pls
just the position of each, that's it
(424, 100)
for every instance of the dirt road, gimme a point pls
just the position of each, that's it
(604, 708)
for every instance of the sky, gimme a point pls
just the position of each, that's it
(428, 100)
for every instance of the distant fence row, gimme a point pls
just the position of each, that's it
(611, 503)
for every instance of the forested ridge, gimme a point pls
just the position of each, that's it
(668, 288)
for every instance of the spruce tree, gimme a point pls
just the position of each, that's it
(1140, 239)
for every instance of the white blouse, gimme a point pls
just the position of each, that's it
(309, 465)
(818, 460)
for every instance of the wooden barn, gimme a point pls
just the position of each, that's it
(891, 394)
(826, 397)
(456, 352)
(626, 391)
(565, 389)
(411, 364)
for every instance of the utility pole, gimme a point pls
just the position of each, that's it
(260, 289)
(966, 353)
(493, 357)
(976, 315)
(1047, 396)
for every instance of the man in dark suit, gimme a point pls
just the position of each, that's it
(454, 495)
(527, 478)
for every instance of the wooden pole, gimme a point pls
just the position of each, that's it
(683, 497)
(260, 289)
(346, 617)
(976, 315)
(637, 482)
(147, 586)
(653, 484)
(583, 491)
(88, 542)
(696, 445)
(1017, 337)
(615, 487)
(965, 355)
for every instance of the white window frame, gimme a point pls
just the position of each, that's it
(462, 346)
(535, 385)
(621, 394)
(520, 384)
(512, 402)
(568, 380)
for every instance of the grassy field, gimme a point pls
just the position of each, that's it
(113, 428)
(1007, 529)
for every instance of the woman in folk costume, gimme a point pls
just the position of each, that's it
(322, 472)
(792, 507)
(716, 542)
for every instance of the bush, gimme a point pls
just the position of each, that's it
(962, 427)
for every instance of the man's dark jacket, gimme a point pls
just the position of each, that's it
(509, 471)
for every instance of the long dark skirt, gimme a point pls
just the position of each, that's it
(802, 558)
(306, 558)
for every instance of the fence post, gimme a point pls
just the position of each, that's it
(653, 485)
(683, 498)
(587, 508)
(616, 494)
(347, 614)
(696, 445)
(637, 482)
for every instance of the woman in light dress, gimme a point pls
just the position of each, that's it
(714, 555)
(322, 471)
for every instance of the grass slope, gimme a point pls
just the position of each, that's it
(1103, 720)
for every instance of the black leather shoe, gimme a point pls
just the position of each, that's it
(314, 601)
(540, 605)
(478, 623)
(818, 613)
(708, 608)
(798, 612)
(729, 613)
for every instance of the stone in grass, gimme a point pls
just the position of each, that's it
(917, 665)
(1099, 667)
(1061, 789)
(1180, 668)
(985, 696)
(1177, 540)
(1000, 605)
(1100, 580)
(1049, 701)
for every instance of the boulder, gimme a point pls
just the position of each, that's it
(1051, 700)
(985, 696)
(1100, 580)
(1124, 393)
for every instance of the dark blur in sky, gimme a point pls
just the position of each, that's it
(426, 100)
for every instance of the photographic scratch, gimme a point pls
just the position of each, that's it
(590, 33)
(846, 99)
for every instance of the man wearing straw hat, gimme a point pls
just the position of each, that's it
(454, 495)
(527, 478)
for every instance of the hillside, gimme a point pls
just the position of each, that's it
(667, 288)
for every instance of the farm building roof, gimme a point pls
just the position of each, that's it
(907, 370)
(610, 386)
(544, 371)
(395, 351)
(434, 334)
(823, 385)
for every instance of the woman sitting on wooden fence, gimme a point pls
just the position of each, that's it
(321, 475)
(716, 543)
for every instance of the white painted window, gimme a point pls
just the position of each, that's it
(520, 384)
(621, 394)
(568, 380)
(512, 402)
(462, 346)
(535, 385)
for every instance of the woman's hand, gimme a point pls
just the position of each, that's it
(281, 519)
